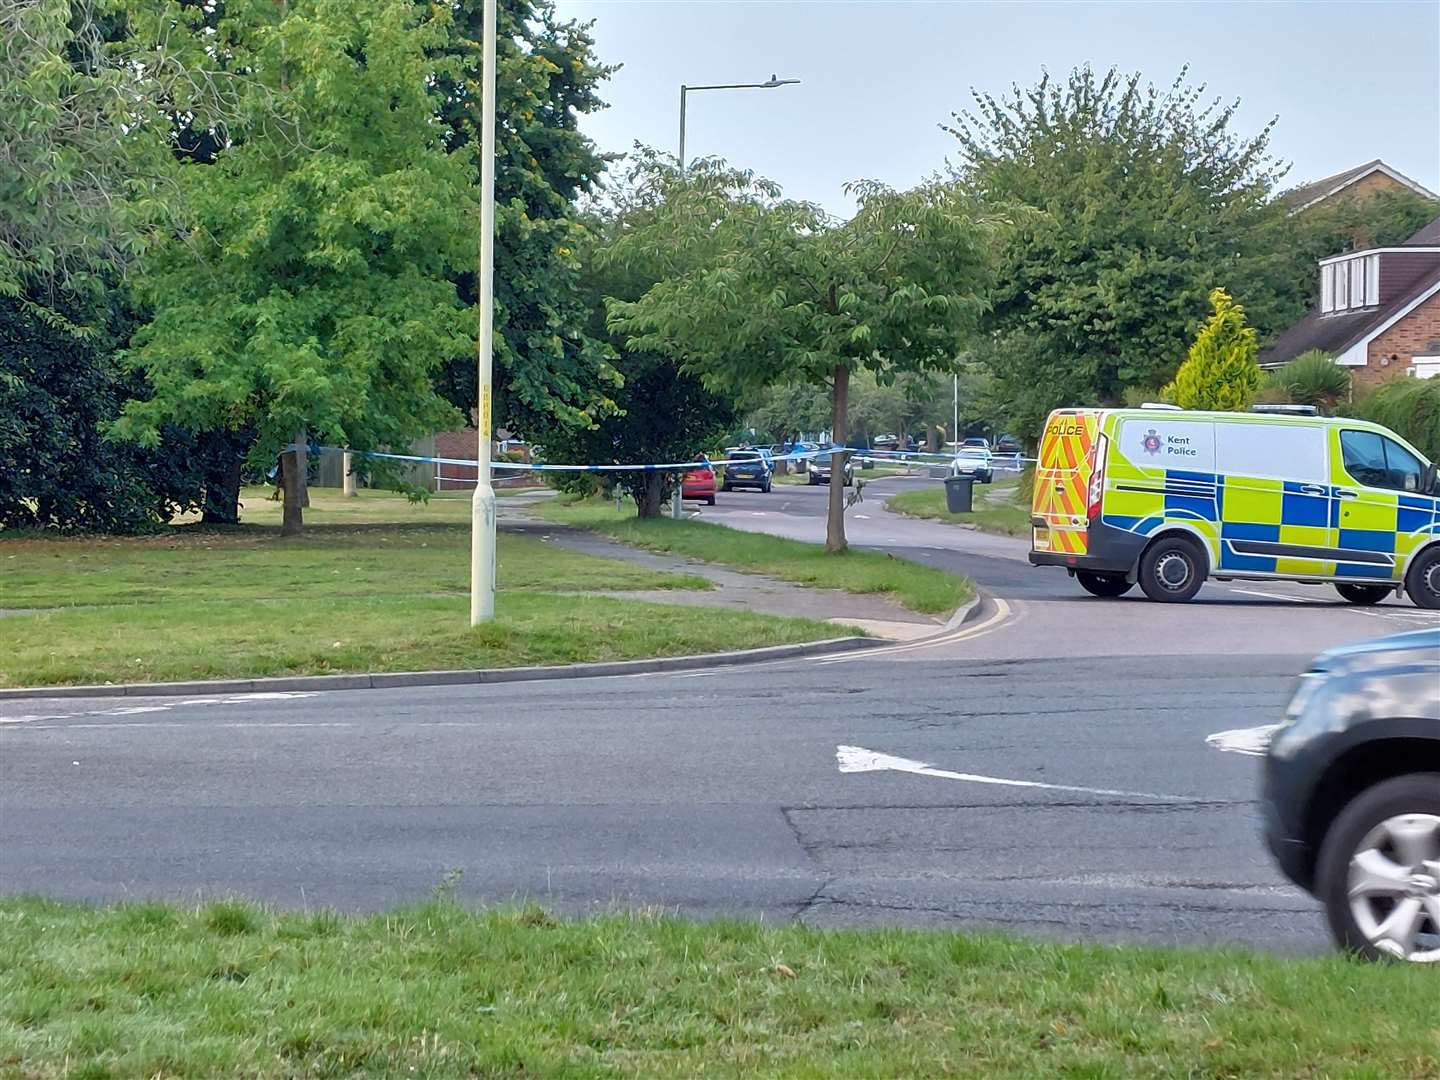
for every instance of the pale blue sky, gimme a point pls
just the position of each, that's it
(1350, 81)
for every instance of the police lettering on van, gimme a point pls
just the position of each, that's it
(1126, 496)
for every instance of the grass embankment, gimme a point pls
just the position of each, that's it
(920, 588)
(232, 990)
(385, 590)
(996, 508)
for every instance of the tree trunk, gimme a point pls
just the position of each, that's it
(650, 499)
(302, 465)
(835, 521)
(292, 470)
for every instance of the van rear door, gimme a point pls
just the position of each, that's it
(1062, 479)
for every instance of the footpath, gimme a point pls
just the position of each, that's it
(876, 615)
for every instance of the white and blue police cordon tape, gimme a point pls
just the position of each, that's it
(898, 457)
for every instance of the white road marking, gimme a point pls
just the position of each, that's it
(135, 710)
(1282, 596)
(852, 759)
(1254, 741)
(208, 727)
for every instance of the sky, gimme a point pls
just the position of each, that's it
(1350, 81)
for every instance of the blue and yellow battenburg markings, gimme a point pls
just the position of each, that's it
(1317, 525)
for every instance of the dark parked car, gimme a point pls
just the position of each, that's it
(747, 468)
(1352, 794)
(820, 470)
(1007, 444)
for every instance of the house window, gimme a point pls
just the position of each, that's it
(1425, 367)
(1352, 283)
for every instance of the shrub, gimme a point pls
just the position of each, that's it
(1312, 378)
(1409, 407)
(1220, 371)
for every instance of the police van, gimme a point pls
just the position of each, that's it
(1167, 498)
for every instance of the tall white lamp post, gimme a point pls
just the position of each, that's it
(482, 507)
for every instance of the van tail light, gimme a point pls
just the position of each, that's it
(1096, 491)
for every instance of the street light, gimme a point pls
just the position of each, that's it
(768, 84)
(482, 506)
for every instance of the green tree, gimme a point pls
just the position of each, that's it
(1138, 201)
(83, 151)
(1220, 371)
(551, 369)
(785, 410)
(756, 290)
(662, 412)
(311, 292)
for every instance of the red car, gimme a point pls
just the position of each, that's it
(699, 484)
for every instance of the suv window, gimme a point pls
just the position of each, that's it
(1375, 461)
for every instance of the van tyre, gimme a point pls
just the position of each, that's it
(1363, 876)
(1172, 569)
(1107, 586)
(1423, 580)
(1365, 595)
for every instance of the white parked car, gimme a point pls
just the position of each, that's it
(974, 462)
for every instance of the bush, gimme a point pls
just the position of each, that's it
(1409, 407)
(1312, 378)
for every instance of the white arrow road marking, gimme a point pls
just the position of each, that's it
(858, 759)
(1254, 741)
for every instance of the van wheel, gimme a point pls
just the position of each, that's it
(1172, 570)
(1106, 585)
(1423, 580)
(1363, 594)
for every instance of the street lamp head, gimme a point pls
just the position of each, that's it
(772, 82)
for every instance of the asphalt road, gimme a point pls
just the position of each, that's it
(713, 793)
(721, 792)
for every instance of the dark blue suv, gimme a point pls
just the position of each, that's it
(1352, 794)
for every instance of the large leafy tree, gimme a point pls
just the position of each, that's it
(312, 293)
(754, 290)
(1140, 202)
(662, 413)
(552, 368)
(86, 104)
(82, 154)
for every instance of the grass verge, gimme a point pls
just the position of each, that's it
(920, 588)
(994, 512)
(388, 592)
(228, 989)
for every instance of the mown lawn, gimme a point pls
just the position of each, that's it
(385, 590)
(920, 588)
(996, 510)
(229, 989)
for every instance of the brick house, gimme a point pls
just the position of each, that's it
(1379, 312)
(1358, 183)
